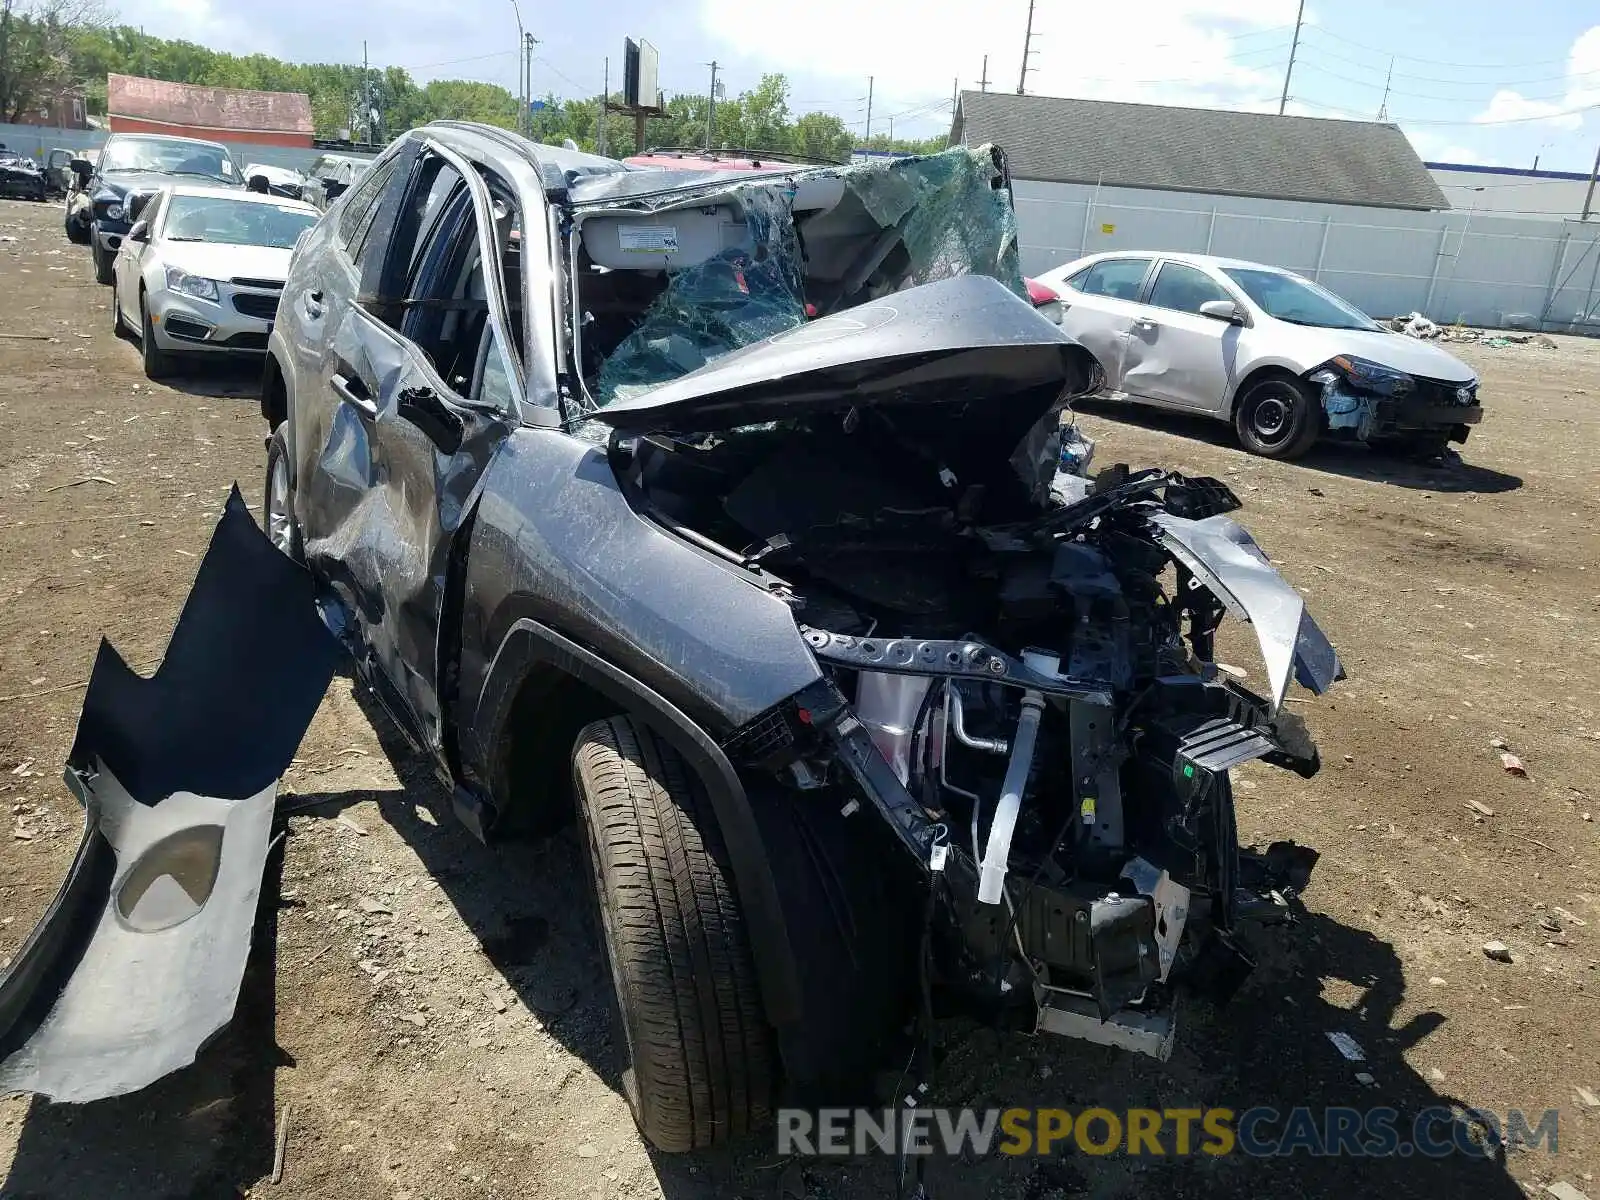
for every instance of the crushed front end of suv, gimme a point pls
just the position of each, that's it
(724, 514)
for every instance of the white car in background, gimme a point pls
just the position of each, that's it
(201, 270)
(1282, 358)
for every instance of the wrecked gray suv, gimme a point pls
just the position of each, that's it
(725, 511)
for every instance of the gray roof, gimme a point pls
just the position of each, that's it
(1199, 150)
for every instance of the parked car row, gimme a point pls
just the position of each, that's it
(194, 247)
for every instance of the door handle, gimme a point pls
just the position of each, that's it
(1143, 323)
(313, 304)
(354, 393)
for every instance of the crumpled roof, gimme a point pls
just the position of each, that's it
(952, 218)
(199, 107)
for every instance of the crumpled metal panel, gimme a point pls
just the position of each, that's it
(964, 341)
(1347, 409)
(137, 962)
(952, 218)
(1224, 556)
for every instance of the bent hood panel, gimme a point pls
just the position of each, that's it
(1408, 354)
(137, 963)
(218, 260)
(1226, 559)
(967, 338)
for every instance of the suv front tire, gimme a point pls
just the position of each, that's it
(700, 1051)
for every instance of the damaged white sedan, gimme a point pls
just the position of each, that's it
(1281, 357)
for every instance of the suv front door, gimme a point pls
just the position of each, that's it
(419, 386)
(1174, 356)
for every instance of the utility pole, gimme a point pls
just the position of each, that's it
(605, 103)
(955, 96)
(1294, 45)
(1588, 198)
(711, 106)
(527, 81)
(366, 96)
(1383, 105)
(522, 100)
(983, 84)
(1027, 52)
(868, 142)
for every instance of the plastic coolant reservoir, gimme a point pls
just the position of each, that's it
(888, 705)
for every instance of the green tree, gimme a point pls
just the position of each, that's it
(36, 42)
(820, 135)
(758, 119)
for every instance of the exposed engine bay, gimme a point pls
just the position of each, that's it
(1020, 680)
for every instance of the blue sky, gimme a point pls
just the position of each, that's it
(1472, 81)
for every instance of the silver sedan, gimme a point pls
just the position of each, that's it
(201, 271)
(1282, 358)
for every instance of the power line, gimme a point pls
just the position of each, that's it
(555, 70)
(450, 62)
(1394, 91)
(1526, 182)
(1550, 116)
(1364, 64)
(1439, 62)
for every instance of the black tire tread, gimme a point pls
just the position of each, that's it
(703, 1059)
(103, 267)
(1310, 416)
(157, 363)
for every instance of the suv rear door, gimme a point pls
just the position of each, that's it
(417, 389)
(1099, 306)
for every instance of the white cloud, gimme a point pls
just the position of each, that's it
(1164, 51)
(1508, 106)
(1583, 91)
(1431, 147)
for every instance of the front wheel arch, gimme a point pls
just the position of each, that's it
(533, 650)
(274, 393)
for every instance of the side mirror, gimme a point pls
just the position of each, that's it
(259, 183)
(1222, 310)
(136, 205)
(139, 233)
(82, 168)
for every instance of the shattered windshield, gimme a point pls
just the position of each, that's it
(220, 219)
(670, 288)
(1298, 301)
(167, 156)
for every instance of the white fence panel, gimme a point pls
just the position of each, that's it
(1454, 266)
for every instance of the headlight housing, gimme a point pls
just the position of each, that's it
(1369, 376)
(113, 211)
(185, 284)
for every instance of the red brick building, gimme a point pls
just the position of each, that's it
(138, 105)
(66, 111)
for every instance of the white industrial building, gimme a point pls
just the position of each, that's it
(1509, 192)
(1347, 203)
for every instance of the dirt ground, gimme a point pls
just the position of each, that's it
(434, 1017)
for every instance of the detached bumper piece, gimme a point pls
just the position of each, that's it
(137, 963)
